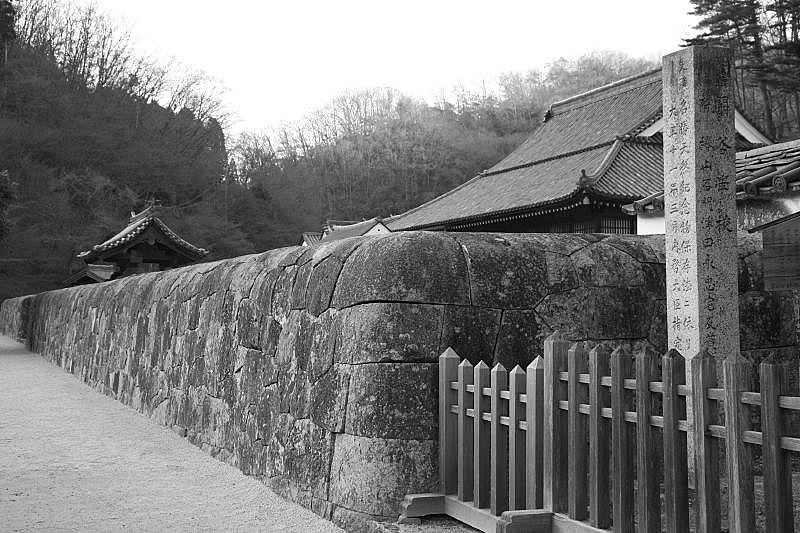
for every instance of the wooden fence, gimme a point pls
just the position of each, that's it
(586, 439)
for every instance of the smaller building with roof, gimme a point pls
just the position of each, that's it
(146, 244)
(767, 188)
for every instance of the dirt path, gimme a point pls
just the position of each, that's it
(74, 460)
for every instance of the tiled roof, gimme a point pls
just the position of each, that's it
(136, 227)
(587, 134)
(589, 119)
(356, 229)
(638, 169)
(312, 237)
(763, 171)
(94, 272)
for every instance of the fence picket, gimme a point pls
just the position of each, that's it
(465, 431)
(555, 425)
(622, 475)
(648, 499)
(676, 486)
(481, 434)
(448, 438)
(516, 440)
(706, 451)
(777, 466)
(498, 490)
(578, 454)
(534, 436)
(599, 437)
(741, 504)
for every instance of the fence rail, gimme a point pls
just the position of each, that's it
(603, 440)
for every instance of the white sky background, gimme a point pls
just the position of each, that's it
(282, 59)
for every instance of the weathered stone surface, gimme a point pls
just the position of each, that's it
(658, 325)
(322, 284)
(561, 273)
(470, 331)
(404, 267)
(393, 400)
(380, 332)
(521, 339)
(601, 265)
(329, 398)
(764, 320)
(365, 479)
(301, 451)
(598, 313)
(282, 293)
(299, 288)
(642, 248)
(700, 202)
(323, 343)
(504, 275)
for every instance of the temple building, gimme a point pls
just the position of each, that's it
(594, 154)
(767, 188)
(146, 244)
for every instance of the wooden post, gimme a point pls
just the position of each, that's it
(465, 431)
(676, 483)
(706, 451)
(577, 393)
(741, 505)
(622, 475)
(777, 466)
(648, 497)
(448, 424)
(498, 493)
(555, 425)
(481, 480)
(599, 437)
(517, 466)
(534, 436)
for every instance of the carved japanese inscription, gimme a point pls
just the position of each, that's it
(700, 202)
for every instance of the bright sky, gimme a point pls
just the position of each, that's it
(282, 59)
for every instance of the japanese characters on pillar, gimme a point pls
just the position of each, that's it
(700, 202)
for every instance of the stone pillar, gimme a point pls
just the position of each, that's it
(700, 202)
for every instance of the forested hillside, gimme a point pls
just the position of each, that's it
(765, 38)
(90, 128)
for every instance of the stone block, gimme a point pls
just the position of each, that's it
(601, 265)
(326, 330)
(470, 331)
(282, 293)
(329, 397)
(561, 273)
(372, 476)
(520, 340)
(642, 248)
(404, 267)
(300, 284)
(380, 332)
(767, 319)
(301, 451)
(393, 400)
(503, 274)
(322, 284)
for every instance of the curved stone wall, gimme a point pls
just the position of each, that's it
(315, 368)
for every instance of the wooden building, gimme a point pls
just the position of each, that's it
(595, 153)
(767, 188)
(146, 244)
(781, 256)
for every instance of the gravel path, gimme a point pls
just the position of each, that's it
(74, 460)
